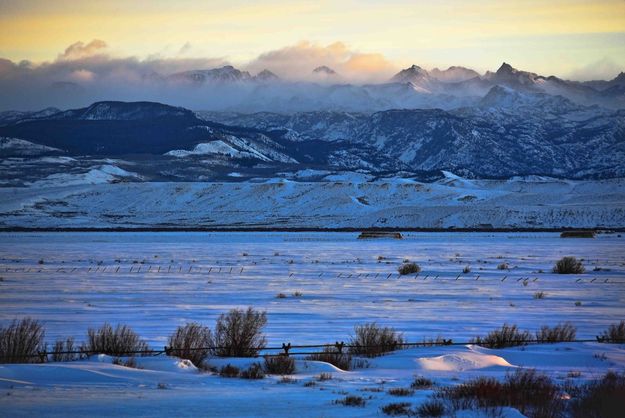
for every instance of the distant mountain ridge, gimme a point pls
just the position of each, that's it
(509, 133)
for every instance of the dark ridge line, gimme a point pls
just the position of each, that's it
(296, 229)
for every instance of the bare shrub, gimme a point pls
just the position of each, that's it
(322, 377)
(192, 342)
(421, 382)
(333, 356)
(506, 336)
(239, 333)
(409, 268)
(433, 408)
(559, 333)
(539, 295)
(601, 399)
(372, 340)
(466, 269)
(351, 400)
(503, 266)
(128, 362)
(255, 371)
(22, 342)
(229, 371)
(614, 334)
(279, 364)
(288, 380)
(533, 394)
(397, 409)
(65, 350)
(115, 342)
(569, 265)
(400, 392)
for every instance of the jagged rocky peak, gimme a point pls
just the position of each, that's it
(507, 69)
(323, 69)
(266, 75)
(227, 73)
(410, 74)
(454, 74)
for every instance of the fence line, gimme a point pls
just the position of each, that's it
(285, 349)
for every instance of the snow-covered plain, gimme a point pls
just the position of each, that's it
(157, 281)
(341, 200)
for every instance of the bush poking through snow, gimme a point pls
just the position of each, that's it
(533, 394)
(129, 362)
(322, 377)
(331, 355)
(539, 295)
(506, 336)
(255, 371)
(239, 333)
(466, 269)
(569, 265)
(434, 408)
(559, 333)
(191, 342)
(409, 268)
(400, 392)
(503, 266)
(279, 365)
(372, 340)
(115, 342)
(351, 400)
(229, 371)
(614, 334)
(603, 398)
(22, 341)
(397, 409)
(62, 350)
(421, 382)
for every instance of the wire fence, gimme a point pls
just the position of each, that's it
(337, 348)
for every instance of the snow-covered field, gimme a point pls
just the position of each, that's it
(89, 200)
(157, 281)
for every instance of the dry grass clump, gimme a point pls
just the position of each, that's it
(533, 394)
(371, 340)
(559, 333)
(539, 295)
(466, 269)
(351, 400)
(322, 377)
(408, 268)
(255, 371)
(503, 266)
(506, 336)
(601, 399)
(333, 356)
(128, 362)
(279, 364)
(569, 265)
(22, 341)
(115, 342)
(239, 333)
(397, 409)
(421, 382)
(229, 371)
(400, 392)
(614, 334)
(192, 342)
(433, 408)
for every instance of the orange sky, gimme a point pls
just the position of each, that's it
(561, 37)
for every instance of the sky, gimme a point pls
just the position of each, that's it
(569, 38)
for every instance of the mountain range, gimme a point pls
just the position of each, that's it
(507, 132)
